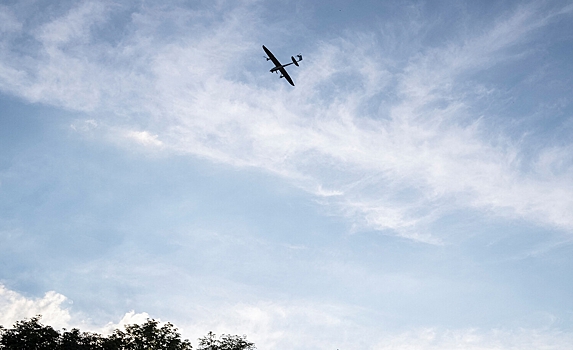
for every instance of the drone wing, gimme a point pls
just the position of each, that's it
(286, 76)
(272, 57)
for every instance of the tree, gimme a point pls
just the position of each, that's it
(32, 335)
(148, 336)
(225, 342)
(29, 335)
(76, 340)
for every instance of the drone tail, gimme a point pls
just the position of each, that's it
(294, 61)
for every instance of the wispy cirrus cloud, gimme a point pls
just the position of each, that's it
(391, 142)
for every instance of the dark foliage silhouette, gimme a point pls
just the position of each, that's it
(32, 335)
(225, 342)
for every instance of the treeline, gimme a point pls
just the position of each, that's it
(30, 334)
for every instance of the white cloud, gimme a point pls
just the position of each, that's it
(422, 149)
(15, 307)
(269, 323)
(396, 144)
(84, 125)
(74, 26)
(55, 311)
(128, 319)
(144, 138)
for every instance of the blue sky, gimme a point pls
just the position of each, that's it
(414, 190)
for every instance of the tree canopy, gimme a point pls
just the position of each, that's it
(30, 334)
(225, 342)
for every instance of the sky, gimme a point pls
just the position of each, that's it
(414, 190)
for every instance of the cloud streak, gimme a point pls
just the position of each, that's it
(390, 142)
